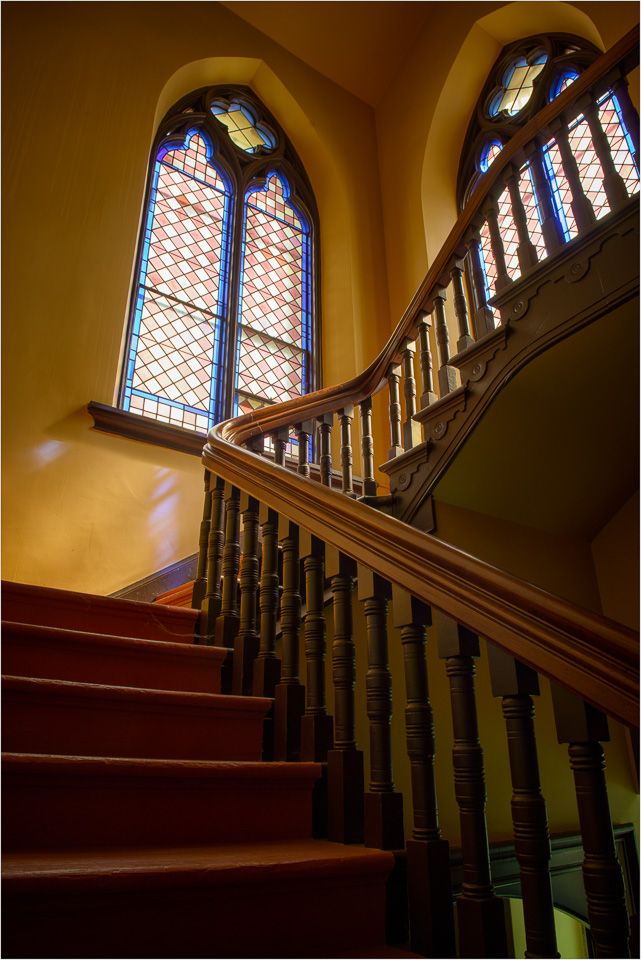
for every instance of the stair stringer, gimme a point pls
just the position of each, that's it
(591, 276)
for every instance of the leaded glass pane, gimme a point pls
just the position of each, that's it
(174, 351)
(275, 299)
(518, 83)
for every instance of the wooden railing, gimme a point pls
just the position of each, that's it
(339, 539)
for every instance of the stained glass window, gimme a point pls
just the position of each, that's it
(273, 333)
(216, 328)
(556, 63)
(517, 84)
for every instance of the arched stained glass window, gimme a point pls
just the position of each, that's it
(224, 312)
(528, 75)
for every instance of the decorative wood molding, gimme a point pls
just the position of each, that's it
(472, 362)
(436, 418)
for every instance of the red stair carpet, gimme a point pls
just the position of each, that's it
(138, 818)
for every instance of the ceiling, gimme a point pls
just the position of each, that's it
(359, 45)
(570, 420)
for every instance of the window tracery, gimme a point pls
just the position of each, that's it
(224, 313)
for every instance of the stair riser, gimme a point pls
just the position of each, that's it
(48, 812)
(275, 919)
(127, 728)
(77, 611)
(93, 662)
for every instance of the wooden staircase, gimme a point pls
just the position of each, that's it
(138, 819)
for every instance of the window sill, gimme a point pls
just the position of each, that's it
(134, 427)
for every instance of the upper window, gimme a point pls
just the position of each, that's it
(224, 310)
(527, 75)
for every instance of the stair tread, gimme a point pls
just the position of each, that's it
(37, 604)
(133, 767)
(105, 868)
(134, 644)
(94, 691)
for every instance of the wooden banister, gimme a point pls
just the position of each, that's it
(587, 654)
(270, 418)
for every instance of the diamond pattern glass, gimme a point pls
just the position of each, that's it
(274, 310)
(590, 172)
(590, 169)
(173, 362)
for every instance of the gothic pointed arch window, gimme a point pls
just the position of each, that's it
(526, 76)
(224, 311)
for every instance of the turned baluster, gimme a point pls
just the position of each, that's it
(247, 640)
(345, 417)
(267, 664)
(383, 805)
(325, 424)
(200, 583)
(480, 916)
(465, 339)
(281, 439)
(210, 607)
(516, 684)
(228, 620)
(581, 207)
(367, 448)
(428, 396)
(613, 182)
(303, 432)
(446, 374)
(411, 429)
(551, 228)
(526, 251)
(393, 378)
(317, 728)
(289, 695)
(428, 859)
(345, 778)
(583, 728)
(628, 113)
(483, 316)
(502, 278)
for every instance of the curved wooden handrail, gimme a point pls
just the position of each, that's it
(590, 655)
(269, 419)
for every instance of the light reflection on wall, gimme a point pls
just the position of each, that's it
(162, 518)
(47, 452)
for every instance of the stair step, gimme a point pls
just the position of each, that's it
(54, 653)
(55, 801)
(178, 597)
(47, 606)
(292, 899)
(95, 720)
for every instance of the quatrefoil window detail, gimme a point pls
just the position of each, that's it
(243, 126)
(517, 84)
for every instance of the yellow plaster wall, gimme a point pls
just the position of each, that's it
(84, 86)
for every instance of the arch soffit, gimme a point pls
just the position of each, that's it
(460, 92)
